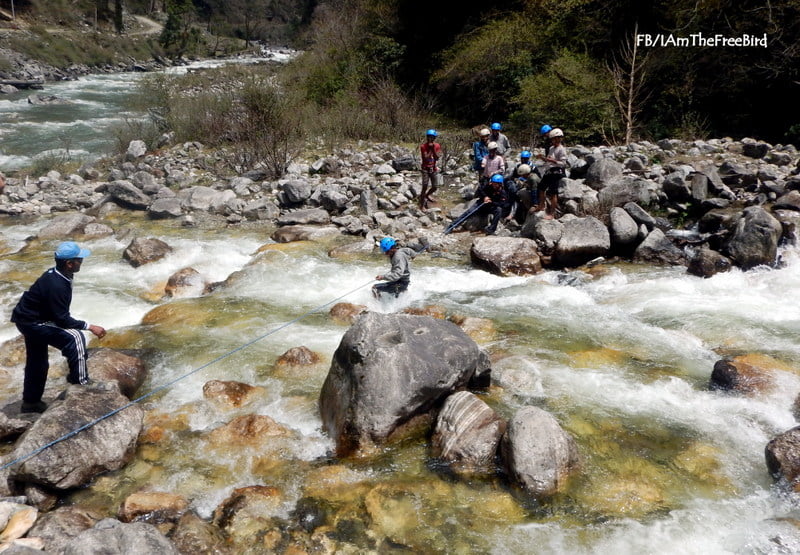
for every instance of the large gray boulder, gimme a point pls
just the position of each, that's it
(136, 149)
(333, 200)
(112, 536)
(789, 201)
(626, 189)
(297, 190)
(467, 432)
(506, 255)
(755, 239)
(582, 240)
(602, 172)
(66, 226)
(163, 208)
(307, 216)
(676, 188)
(203, 198)
(658, 249)
(624, 229)
(706, 262)
(56, 528)
(128, 195)
(291, 233)
(537, 453)
(546, 233)
(390, 368)
(783, 457)
(73, 462)
(144, 250)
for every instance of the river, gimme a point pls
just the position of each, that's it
(621, 357)
(81, 125)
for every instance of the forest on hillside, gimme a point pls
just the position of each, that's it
(605, 70)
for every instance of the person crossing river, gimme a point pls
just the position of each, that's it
(399, 276)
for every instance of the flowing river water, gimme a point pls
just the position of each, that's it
(621, 357)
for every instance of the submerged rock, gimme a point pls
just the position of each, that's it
(185, 282)
(194, 535)
(346, 313)
(231, 394)
(390, 368)
(783, 457)
(153, 505)
(145, 250)
(740, 375)
(247, 430)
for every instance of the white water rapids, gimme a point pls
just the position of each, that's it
(652, 336)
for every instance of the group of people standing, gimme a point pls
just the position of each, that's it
(503, 192)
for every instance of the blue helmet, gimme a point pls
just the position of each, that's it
(496, 126)
(387, 243)
(525, 154)
(545, 129)
(497, 178)
(431, 132)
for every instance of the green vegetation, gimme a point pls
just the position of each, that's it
(93, 49)
(235, 106)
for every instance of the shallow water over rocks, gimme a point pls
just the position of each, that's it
(621, 357)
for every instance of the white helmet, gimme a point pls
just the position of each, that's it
(556, 133)
(485, 132)
(492, 145)
(523, 169)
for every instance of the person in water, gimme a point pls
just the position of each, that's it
(42, 317)
(399, 276)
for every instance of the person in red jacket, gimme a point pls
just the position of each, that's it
(430, 152)
(42, 316)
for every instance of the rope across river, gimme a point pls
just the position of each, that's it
(169, 384)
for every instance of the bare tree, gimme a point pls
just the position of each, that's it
(628, 74)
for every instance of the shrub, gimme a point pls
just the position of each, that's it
(573, 93)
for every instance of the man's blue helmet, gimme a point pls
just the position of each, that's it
(496, 126)
(497, 178)
(545, 129)
(387, 243)
(525, 154)
(431, 132)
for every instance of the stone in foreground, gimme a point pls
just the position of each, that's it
(390, 368)
(538, 454)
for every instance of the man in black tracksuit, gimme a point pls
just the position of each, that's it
(42, 317)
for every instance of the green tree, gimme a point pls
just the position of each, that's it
(573, 92)
(178, 34)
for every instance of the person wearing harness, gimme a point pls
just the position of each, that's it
(555, 168)
(430, 152)
(42, 317)
(495, 200)
(399, 276)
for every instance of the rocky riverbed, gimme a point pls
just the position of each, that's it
(739, 199)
